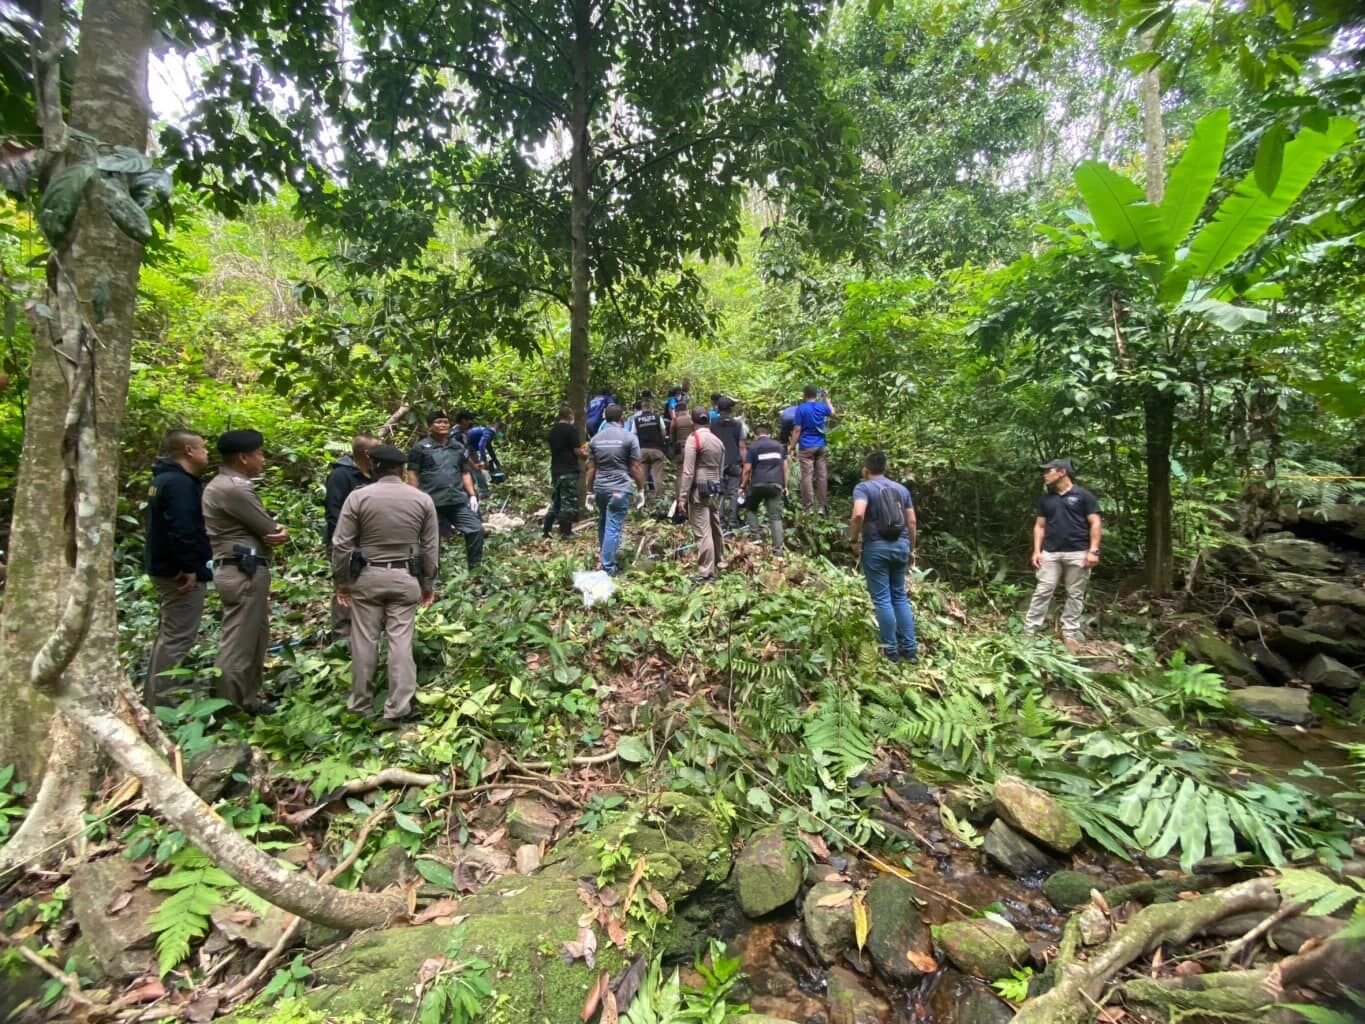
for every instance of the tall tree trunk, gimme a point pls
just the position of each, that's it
(580, 181)
(1158, 408)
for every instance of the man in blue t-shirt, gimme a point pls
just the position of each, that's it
(808, 445)
(1066, 546)
(883, 529)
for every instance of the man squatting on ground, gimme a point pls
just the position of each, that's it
(385, 555)
(1066, 546)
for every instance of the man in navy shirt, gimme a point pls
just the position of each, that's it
(883, 529)
(808, 445)
(765, 482)
(1066, 546)
(178, 554)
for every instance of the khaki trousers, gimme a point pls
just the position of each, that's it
(341, 614)
(814, 477)
(1068, 569)
(246, 633)
(180, 618)
(703, 515)
(383, 603)
(653, 462)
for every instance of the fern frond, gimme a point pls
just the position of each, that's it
(1323, 895)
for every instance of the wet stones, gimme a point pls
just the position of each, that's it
(827, 913)
(1069, 889)
(957, 999)
(1274, 704)
(895, 929)
(530, 821)
(1226, 659)
(1339, 593)
(851, 1003)
(1012, 852)
(1303, 556)
(390, 866)
(1329, 675)
(985, 948)
(767, 873)
(1030, 810)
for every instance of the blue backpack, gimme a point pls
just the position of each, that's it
(597, 408)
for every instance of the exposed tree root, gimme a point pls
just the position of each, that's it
(1080, 985)
(52, 821)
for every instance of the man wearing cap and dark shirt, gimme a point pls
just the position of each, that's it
(1066, 546)
(648, 426)
(731, 433)
(241, 533)
(347, 474)
(765, 482)
(438, 466)
(178, 555)
(385, 554)
(564, 454)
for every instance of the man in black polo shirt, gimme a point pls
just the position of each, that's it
(1066, 546)
(565, 452)
(765, 482)
(730, 430)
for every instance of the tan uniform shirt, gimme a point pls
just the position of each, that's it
(680, 430)
(390, 522)
(703, 460)
(233, 514)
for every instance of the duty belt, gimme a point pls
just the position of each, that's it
(402, 564)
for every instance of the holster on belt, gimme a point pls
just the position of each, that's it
(415, 565)
(247, 559)
(358, 563)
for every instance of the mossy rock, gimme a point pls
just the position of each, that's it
(518, 925)
(1070, 889)
(767, 873)
(984, 948)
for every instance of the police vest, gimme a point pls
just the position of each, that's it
(649, 429)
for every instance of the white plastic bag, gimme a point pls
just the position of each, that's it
(595, 587)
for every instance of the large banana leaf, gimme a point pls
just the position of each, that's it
(1121, 212)
(1248, 212)
(1193, 176)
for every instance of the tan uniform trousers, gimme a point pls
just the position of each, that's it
(703, 515)
(341, 614)
(1066, 568)
(814, 477)
(180, 618)
(246, 633)
(653, 462)
(383, 602)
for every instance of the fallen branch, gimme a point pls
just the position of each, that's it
(489, 787)
(379, 780)
(1286, 911)
(287, 938)
(578, 762)
(1081, 984)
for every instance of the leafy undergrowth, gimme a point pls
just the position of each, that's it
(763, 694)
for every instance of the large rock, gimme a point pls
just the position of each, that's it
(1273, 668)
(767, 873)
(969, 803)
(120, 939)
(1031, 811)
(1305, 556)
(210, 772)
(1226, 659)
(1335, 621)
(957, 999)
(827, 912)
(518, 924)
(390, 866)
(1274, 703)
(1235, 559)
(531, 821)
(895, 929)
(1299, 644)
(984, 948)
(1013, 852)
(1340, 593)
(1070, 889)
(1336, 521)
(1330, 675)
(256, 931)
(851, 1003)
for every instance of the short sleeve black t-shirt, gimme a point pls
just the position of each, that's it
(768, 459)
(563, 440)
(1065, 527)
(730, 431)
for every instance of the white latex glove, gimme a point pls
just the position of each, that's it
(640, 500)
(591, 503)
(474, 503)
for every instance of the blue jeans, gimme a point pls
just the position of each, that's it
(612, 507)
(884, 566)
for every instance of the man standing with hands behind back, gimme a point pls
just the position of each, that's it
(241, 533)
(1066, 546)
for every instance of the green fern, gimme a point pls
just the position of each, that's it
(1323, 895)
(197, 886)
(840, 749)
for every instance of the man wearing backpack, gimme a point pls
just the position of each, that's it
(883, 529)
(1066, 546)
(597, 408)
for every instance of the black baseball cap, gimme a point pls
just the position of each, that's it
(1063, 464)
(387, 455)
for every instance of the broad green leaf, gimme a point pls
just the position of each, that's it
(1158, 809)
(61, 199)
(1133, 802)
(1270, 159)
(124, 211)
(1121, 212)
(1244, 216)
(632, 750)
(1224, 314)
(1187, 188)
(1222, 840)
(407, 823)
(436, 873)
(1176, 821)
(759, 800)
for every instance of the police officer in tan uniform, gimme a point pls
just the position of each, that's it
(700, 487)
(241, 533)
(385, 554)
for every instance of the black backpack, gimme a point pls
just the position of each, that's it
(890, 517)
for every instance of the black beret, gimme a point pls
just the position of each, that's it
(437, 414)
(236, 442)
(387, 455)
